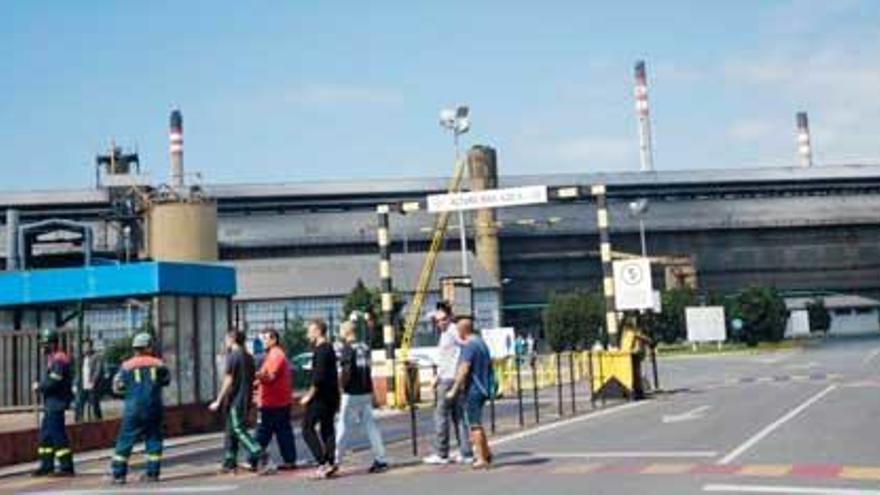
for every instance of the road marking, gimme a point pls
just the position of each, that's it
(751, 442)
(696, 413)
(158, 490)
(870, 357)
(560, 424)
(860, 473)
(628, 455)
(790, 490)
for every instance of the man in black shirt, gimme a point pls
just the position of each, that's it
(357, 397)
(321, 401)
(235, 396)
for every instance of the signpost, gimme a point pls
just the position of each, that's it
(491, 198)
(632, 285)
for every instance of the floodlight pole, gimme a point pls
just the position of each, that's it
(462, 232)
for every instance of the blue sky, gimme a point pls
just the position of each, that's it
(308, 90)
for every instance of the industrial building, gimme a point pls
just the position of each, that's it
(795, 228)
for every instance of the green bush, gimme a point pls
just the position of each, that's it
(572, 320)
(763, 313)
(369, 301)
(670, 325)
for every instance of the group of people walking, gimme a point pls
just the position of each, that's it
(339, 397)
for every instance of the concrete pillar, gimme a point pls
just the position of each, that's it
(483, 169)
(12, 221)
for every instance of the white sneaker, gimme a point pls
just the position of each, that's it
(436, 460)
(460, 459)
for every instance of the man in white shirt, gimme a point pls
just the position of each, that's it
(449, 349)
(92, 372)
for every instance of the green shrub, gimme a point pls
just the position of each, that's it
(573, 320)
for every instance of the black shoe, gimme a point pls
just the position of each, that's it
(378, 467)
(227, 469)
(149, 478)
(288, 466)
(331, 471)
(41, 472)
(67, 473)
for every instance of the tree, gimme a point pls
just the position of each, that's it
(669, 325)
(763, 313)
(820, 318)
(293, 337)
(572, 320)
(368, 301)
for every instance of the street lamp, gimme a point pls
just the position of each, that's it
(456, 120)
(638, 209)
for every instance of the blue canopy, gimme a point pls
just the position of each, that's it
(62, 285)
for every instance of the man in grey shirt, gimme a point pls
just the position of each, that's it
(447, 410)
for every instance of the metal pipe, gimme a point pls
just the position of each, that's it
(519, 396)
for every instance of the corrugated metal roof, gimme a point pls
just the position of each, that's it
(393, 185)
(835, 301)
(329, 276)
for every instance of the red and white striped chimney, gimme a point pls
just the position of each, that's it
(175, 147)
(641, 92)
(805, 148)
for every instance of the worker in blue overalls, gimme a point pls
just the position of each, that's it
(56, 386)
(140, 379)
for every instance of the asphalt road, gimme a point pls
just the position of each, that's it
(793, 422)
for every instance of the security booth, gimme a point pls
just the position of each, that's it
(187, 308)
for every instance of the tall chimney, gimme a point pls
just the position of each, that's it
(805, 149)
(641, 92)
(12, 221)
(175, 138)
(483, 169)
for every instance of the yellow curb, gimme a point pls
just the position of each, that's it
(576, 469)
(765, 470)
(668, 468)
(860, 473)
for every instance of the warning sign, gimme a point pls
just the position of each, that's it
(632, 285)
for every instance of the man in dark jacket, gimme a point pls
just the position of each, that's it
(141, 379)
(56, 386)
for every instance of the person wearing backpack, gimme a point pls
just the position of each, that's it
(474, 379)
(357, 397)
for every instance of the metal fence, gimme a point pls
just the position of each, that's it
(22, 362)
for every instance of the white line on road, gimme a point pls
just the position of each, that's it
(790, 490)
(696, 413)
(560, 424)
(774, 425)
(157, 490)
(672, 454)
(870, 357)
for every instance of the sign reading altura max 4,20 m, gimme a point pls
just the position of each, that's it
(492, 198)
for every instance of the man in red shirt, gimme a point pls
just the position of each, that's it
(274, 396)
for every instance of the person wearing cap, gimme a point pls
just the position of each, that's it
(56, 387)
(140, 379)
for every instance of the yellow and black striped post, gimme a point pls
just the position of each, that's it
(385, 278)
(598, 192)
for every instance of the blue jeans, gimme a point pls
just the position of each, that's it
(445, 412)
(358, 408)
